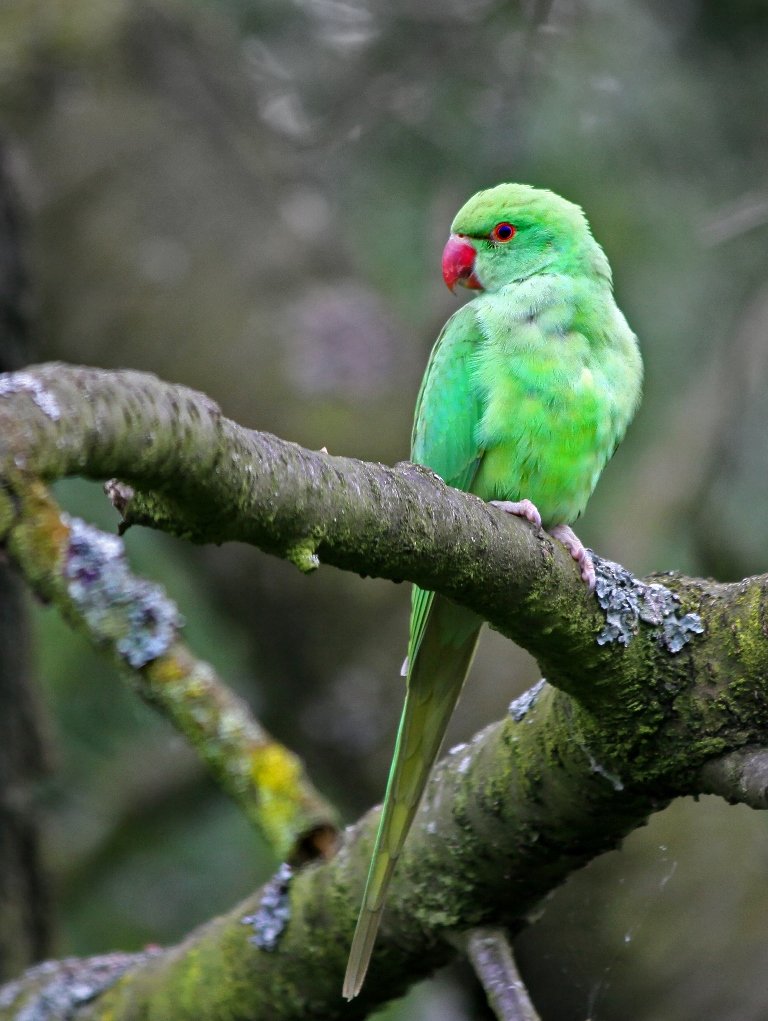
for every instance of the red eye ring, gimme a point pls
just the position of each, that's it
(503, 232)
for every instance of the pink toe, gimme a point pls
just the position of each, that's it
(521, 509)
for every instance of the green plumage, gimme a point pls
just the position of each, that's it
(527, 393)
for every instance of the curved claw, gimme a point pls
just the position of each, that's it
(521, 509)
(566, 535)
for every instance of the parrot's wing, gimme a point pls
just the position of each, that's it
(448, 407)
(448, 410)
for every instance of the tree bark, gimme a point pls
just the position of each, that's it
(647, 684)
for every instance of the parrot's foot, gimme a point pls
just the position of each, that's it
(521, 509)
(576, 548)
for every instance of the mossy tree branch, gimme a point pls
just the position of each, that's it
(648, 684)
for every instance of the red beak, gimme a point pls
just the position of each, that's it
(459, 263)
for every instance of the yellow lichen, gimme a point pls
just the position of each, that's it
(167, 669)
(7, 513)
(44, 524)
(275, 769)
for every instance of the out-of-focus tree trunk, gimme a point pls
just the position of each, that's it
(24, 907)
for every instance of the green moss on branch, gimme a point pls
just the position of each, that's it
(619, 730)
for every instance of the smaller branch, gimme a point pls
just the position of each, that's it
(85, 574)
(740, 777)
(491, 955)
(55, 989)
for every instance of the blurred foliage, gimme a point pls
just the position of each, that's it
(250, 197)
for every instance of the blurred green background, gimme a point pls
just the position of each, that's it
(250, 197)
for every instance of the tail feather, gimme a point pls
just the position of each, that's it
(435, 678)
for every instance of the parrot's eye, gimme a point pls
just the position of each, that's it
(503, 232)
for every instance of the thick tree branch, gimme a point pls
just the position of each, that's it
(203, 477)
(211, 480)
(499, 827)
(648, 682)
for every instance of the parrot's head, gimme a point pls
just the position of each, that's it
(512, 231)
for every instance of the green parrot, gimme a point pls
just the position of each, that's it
(528, 391)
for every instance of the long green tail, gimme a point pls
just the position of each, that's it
(435, 677)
